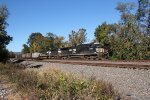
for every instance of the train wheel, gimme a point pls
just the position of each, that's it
(97, 58)
(86, 58)
(68, 57)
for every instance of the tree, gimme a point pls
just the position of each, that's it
(101, 34)
(4, 37)
(143, 15)
(148, 24)
(39, 43)
(130, 43)
(54, 41)
(126, 39)
(25, 49)
(36, 41)
(79, 37)
(4, 54)
(125, 46)
(58, 41)
(48, 41)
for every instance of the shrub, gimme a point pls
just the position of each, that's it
(56, 85)
(4, 55)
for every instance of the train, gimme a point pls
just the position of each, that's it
(91, 51)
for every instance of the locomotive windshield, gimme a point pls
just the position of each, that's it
(96, 46)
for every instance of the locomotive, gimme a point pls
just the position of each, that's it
(92, 51)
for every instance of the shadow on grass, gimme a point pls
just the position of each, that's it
(36, 66)
(18, 61)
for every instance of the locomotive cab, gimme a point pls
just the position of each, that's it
(101, 52)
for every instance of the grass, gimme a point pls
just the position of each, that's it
(55, 85)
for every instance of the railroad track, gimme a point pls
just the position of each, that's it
(145, 64)
(136, 64)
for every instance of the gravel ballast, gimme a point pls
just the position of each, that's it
(133, 84)
(4, 90)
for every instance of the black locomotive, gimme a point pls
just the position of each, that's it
(83, 51)
(92, 51)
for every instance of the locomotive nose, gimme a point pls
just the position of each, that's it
(59, 51)
(102, 50)
(48, 52)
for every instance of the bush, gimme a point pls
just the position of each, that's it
(4, 55)
(56, 85)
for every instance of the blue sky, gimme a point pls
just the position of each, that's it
(57, 16)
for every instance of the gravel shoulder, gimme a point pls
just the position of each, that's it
(131, 83)
(5, 89)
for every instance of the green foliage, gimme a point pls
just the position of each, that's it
(148, 27)
(58, 41)
(102, 34)
(54, 41)
(142, 14)
(4, 37)
(76, 38)
(49, 41)
(35, 42)
(39, 43)
(25, 49)
(127, 39)
(4, 55)
(54, 84)
(132, 43)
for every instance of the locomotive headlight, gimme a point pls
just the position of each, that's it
(48, 52)
(59, 51)
(70, 49)
(74, 51)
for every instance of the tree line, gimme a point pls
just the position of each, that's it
(39, 43)
(130, 37)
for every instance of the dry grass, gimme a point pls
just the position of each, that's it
(55, 85)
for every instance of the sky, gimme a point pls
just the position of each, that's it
(57, 16)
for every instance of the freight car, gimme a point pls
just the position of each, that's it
(35, 55)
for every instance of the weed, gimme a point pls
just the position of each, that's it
(56, 85)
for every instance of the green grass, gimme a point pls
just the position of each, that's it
(56, 85)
